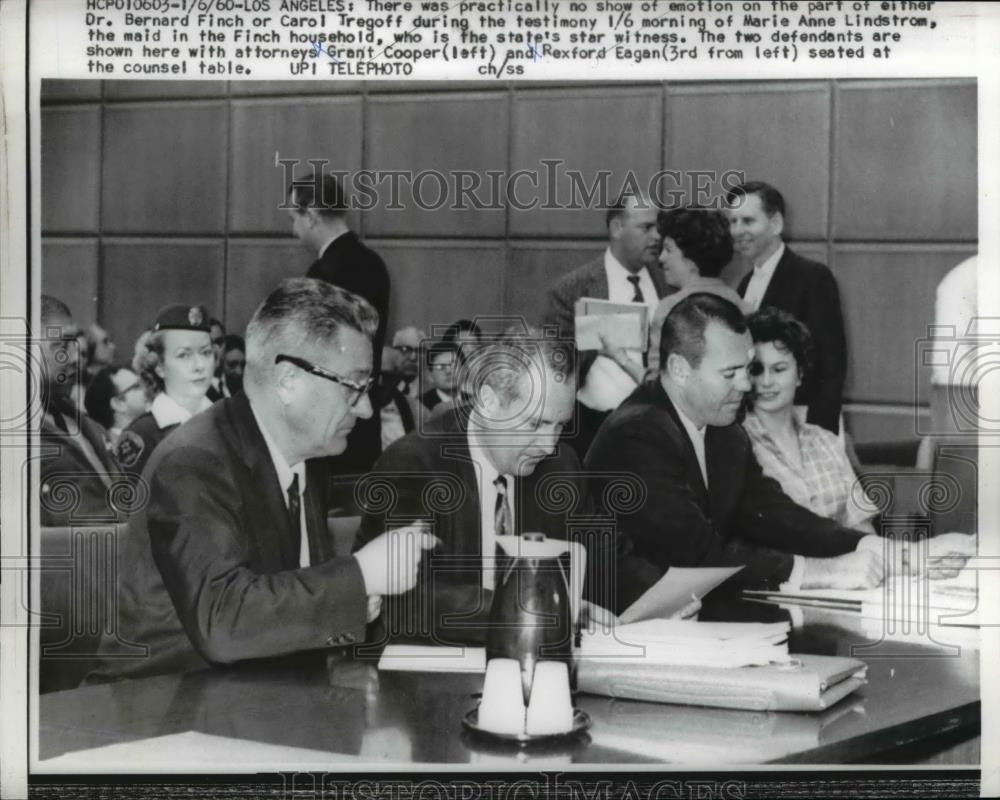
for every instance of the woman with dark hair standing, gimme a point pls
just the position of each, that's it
(808, 461)
(696, 247)
(176, 363)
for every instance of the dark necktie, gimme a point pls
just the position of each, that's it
(501, 512)
(294, 517)
(637, 297)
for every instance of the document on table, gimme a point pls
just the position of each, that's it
(678, 587)
(427, 658)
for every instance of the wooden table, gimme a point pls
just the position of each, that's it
(918, 700)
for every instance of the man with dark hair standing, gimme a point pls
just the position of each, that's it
(217, 390)
(627, 272)
(230, 559)
(114, 398)
(805, 289)
(707, 502)
(319, 220)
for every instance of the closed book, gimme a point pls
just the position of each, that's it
(807, 683)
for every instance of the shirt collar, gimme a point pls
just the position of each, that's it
(767, 267)
(285, 472)
(478, 454)
(167, 411)
(692, 429)
(615, 267)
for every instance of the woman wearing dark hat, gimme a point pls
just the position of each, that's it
(176, 365)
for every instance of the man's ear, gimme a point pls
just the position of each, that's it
(777, 222)
(286, 379)
(678, 367)
(488, 400)
(117, 404)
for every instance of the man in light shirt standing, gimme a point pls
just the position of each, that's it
(627, 272)
(805, 289)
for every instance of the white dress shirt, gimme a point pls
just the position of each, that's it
(607, 384)
(761, 278)
(167, 411)
(486, 474)
(286, 474)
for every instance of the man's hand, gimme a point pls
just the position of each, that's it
(862, 569)
(389, 562)
(689, 611)
(947, 554)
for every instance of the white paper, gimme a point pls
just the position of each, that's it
(678, 587)
(427, 658)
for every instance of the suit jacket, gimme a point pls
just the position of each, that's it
(590, 280)
(67, 472)
(808, 290)
(742, 517)
(210, 568)
(429, 474)
(349, 264)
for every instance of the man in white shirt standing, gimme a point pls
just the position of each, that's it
(627, 272)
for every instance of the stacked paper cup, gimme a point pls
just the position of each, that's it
(549, 710)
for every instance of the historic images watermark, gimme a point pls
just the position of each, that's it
(550, 186)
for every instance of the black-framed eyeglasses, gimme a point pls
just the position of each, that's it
(358, 390)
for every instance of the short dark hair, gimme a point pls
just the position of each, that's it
(233, 342)
(781, 328)
(684, 328)
(100, 391)
(702, 235)
(461, 326)
(770, 198)
(324, 193)
(617, 208)
(440, 348)
(53, 308)
(501, 362)
(213, 322)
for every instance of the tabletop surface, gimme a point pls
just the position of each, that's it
(350, 710)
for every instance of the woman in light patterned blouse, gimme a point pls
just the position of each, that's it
(808, 461)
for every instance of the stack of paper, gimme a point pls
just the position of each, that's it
(621, 324)
(904, 599)
(690, 643)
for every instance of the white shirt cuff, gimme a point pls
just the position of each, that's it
(794, 582)
(871, 542)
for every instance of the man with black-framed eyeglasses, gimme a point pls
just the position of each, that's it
(231, 559)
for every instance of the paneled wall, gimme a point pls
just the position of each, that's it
(157, 192)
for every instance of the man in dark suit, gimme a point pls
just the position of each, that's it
(319, 220)
(628, 271)
(707, 503)
(74, 462)
(230, 559)
(476, 472)
(805, 289)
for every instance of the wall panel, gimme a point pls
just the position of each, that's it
(589, 131)
(439, 134)
(776, 132)
(254, 268)
(327, 129)
(70, 273)
(906, 162)
(533, 268)
(888, 298)
(141, 276)
(70, 173)
(436, 283)
(164, 168)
